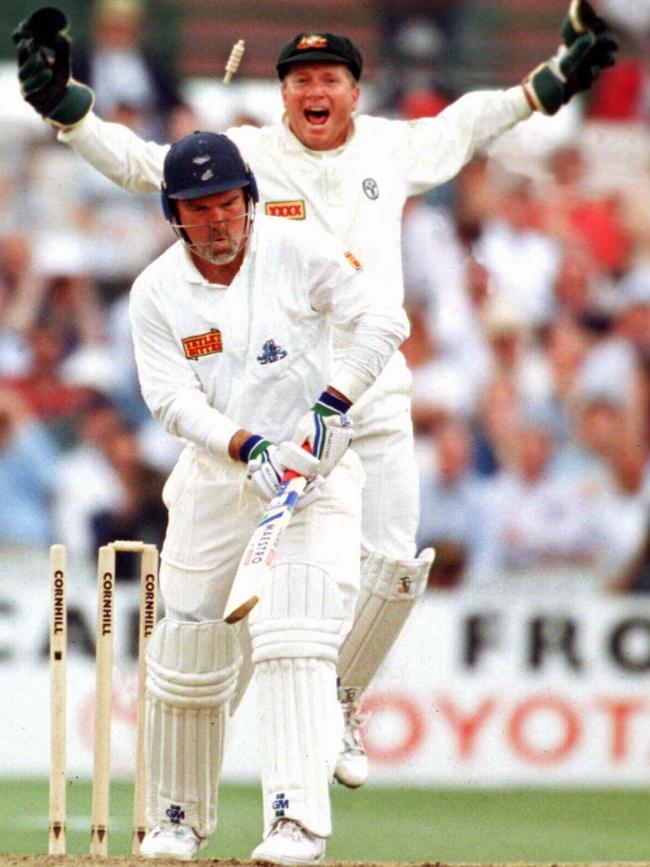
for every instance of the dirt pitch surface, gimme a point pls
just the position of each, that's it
(88, 861)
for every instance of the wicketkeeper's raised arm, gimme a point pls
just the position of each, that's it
(46, 83)
(118, 153)
(437, 148)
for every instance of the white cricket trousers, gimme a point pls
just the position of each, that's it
(212, 514)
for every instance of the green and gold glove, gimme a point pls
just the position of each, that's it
(46, 82)
(587, 48)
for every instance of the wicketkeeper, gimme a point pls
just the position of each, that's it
(352, 177)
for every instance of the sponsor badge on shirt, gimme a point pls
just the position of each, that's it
(293, 210)
(203, 344)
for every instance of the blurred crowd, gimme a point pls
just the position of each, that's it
(529, 300)
(530, 348)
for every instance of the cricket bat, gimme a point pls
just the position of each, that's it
(259, 554)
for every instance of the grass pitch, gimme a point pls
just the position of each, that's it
(380, 824)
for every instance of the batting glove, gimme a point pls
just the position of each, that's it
(327, 430)
(267, 464)
(44, 70)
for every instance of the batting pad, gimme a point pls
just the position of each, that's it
(296, 633)
(387, 594)
(192, 671)
(246, 667)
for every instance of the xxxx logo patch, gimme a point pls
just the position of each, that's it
(203, 344)
(294, 210)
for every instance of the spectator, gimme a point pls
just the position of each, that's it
(420, 40)
(446, 284)
(140, 512)
(632, 315)
(512, 351)
(552, 528)
(602, 435)
(122, 72)
(496, 425)
(439, 386)
(17, 275)
(453, 516)
(47, 396)
(623, 94)
(520, 259)
(575, 216)
(27, 474)
(86, 481)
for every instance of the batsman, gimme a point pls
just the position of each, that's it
(350, 174)
(232, 333)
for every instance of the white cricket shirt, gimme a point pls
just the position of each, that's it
(258, 353)
(356, 192)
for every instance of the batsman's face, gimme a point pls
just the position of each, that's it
(216, 225)
(319, 99)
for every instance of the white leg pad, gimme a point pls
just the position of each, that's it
(246, 667)
(388, 591)
(296, 631)
(192, 671)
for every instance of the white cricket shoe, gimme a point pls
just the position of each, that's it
(171, 840)
(351, 767)
(290, 843)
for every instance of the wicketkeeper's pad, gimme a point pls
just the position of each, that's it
(388, 591)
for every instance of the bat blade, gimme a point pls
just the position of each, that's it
(259, 554)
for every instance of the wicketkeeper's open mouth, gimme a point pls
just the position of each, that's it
(317, 116)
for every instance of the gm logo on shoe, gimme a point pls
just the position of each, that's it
(280, 804)
(175, 813)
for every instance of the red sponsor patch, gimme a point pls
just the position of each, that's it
(294, 210)
(312, 41)
(203, 344)
(352, 259)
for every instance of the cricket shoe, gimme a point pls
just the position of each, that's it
(171, 840)
(351, 767)
(290, 843)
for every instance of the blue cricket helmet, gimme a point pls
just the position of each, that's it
(201, 164)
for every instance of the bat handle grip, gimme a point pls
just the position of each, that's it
(292, 474)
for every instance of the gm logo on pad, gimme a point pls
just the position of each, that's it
(294, 210)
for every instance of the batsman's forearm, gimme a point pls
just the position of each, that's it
(375, 339)
(187, 414)
(118, 153)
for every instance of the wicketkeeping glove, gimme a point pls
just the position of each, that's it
(580, 18)
(587, 49)
(267, 464)
(327, 430)
(44, 70)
